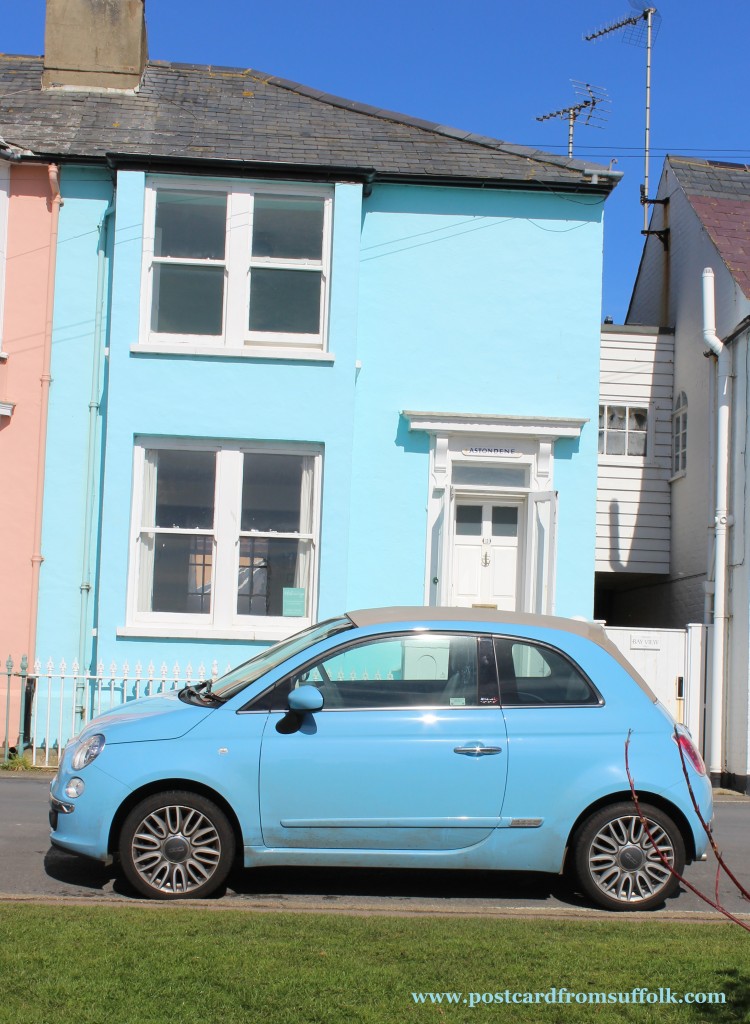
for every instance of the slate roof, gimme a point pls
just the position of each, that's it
(720, 195)
(239, 117)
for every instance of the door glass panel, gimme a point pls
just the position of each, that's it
(469, 520)
(423, 670)
(288, 228)
(504, 521)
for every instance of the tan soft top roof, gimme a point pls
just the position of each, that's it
(378, 616)
(592, 631)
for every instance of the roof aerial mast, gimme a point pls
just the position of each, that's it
(592, 103)
(640, 29)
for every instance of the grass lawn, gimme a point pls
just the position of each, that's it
(91, 965)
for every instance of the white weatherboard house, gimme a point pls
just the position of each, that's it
(635, 457)
(702, 222)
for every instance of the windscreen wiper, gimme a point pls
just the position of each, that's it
(201, 691)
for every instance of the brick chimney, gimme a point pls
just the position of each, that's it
(94, 44)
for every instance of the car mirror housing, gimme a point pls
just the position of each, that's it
(305, 698)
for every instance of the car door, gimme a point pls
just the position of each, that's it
(408, 752)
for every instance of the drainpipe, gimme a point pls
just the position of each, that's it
(722, 522)
(90, 492)
(53, 172)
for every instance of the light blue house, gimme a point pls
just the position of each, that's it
(307, 355)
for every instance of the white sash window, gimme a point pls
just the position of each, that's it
(235, 266)
(224, 538)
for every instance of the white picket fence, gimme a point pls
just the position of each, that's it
(65, 698)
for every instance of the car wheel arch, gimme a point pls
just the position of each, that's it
(644, 796)
(165, 785)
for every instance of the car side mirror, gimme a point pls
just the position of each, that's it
(305, 698)
(302, 701)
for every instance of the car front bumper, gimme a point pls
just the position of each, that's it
(82, 824)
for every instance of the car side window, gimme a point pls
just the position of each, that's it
(412, 670)
(532, 674)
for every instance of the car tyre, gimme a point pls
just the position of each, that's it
(176, 845)
(616, 863)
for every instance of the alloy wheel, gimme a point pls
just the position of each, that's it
(176, 849)
(624, 862)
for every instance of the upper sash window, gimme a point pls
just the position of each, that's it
(233, 265)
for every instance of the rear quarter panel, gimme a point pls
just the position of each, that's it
(561, 760)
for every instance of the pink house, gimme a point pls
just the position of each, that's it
(29, 202)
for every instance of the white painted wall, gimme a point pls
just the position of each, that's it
(668, 290)
(677, 273)
(633, 494)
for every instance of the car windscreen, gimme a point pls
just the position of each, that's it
(238, 678)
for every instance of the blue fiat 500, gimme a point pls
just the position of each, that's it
(402, 737)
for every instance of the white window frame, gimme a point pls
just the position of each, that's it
(679, 430)
(236, 337)
(223, 621)
(630, 460)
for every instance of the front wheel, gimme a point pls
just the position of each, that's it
(176, 845)
(617, 864)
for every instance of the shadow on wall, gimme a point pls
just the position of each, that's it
(414, 442)
(628, 597)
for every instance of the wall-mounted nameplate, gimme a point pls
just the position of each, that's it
(644, 642)
(495, 453)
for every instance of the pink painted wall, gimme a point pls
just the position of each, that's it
(27, 268)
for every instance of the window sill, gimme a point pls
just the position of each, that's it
(678, 476)
(283, 353)
(207, 632)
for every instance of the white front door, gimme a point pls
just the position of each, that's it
(486, 555)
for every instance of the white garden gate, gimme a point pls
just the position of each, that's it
(672, 661)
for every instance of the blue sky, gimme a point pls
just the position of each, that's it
(489, 66)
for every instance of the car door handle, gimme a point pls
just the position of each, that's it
(477, 750)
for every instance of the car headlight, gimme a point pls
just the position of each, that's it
(88, 751)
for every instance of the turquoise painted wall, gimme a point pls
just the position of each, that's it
(215, 398)
(86, 193)
(452, 300)
(476, 302)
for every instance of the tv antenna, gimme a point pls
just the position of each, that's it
(593, 105)
(640, 29)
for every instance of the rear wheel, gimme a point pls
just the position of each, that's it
(617, 864)
(176, 845)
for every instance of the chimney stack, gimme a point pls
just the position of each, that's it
(94, 44)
